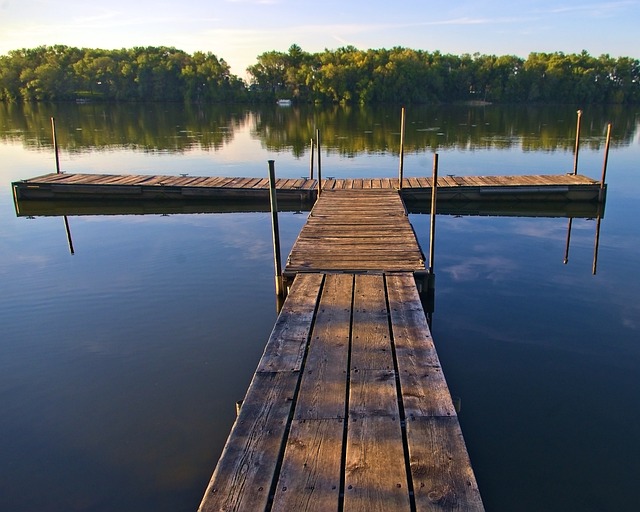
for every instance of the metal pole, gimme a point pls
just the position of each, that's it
(604, 165)
(432, 236)
(55, 144)
(577, 148)
(401, 168)
(313, 146)
(275, 229)
(319, 163)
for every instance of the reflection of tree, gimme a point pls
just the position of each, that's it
(148, 127)
(349, 131)
(356, 130)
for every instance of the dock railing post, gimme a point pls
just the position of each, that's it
(577, 147)
(401, 165)
(55, 144)
(432, 231)
(319, 162)
(604, 165)
(275, 230)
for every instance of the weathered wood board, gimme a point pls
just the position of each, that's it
(356, 417)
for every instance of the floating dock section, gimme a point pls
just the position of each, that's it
(563, 187)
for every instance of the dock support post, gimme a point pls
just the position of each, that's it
(55, 144)
(432, 232)
(577, 147)
(401, 166)
(275, 230)
(319, 162)
(311, 160)
(604, 165)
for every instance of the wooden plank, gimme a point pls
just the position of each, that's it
(440, 467)
(375, 471)
(286, 346)
(424, 389)
(310, 477)
(323, 386)
(245, 472)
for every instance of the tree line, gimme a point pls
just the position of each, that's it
(344, 75)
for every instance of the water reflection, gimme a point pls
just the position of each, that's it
(347, 131)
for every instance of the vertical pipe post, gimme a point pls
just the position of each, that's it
(55, 144)
(275, 229)
(604, 165)
(401, 166)
(319, 162)
(313, 146)
(432, 236)
(577, 147)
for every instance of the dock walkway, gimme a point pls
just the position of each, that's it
(356, 231)
(348, 409)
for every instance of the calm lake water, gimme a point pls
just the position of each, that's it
(120, 364)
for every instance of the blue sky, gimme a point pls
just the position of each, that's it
(240, 30)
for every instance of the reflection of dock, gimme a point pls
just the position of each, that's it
(348, 409)
(561, 188)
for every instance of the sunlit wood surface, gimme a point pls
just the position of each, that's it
(348, 409)
(356, 230)
(563, 187)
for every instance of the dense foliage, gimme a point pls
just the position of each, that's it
(154, 73)
(344, 75)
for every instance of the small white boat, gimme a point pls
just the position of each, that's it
(284, 103)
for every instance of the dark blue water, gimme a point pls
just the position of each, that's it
(120, 365)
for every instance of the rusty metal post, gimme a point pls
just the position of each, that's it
(313, 146)
(432, 236)
(55, 144)
(401, 166)
(604, 165)
(577, 147)
(275, 230)
(319, 163)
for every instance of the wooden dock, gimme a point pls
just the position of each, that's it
(348, 409)
(356, 231)
(63, 186)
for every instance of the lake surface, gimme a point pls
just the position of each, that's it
(120, 364)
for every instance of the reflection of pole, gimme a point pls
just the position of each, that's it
(275, 229)
(401, 169)
(596, 246)
(69, 241)
(313, 146)
(55, 144)
(577, 148)
(432, 236)
(604, 165)
(319, 163)
(566, 250)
